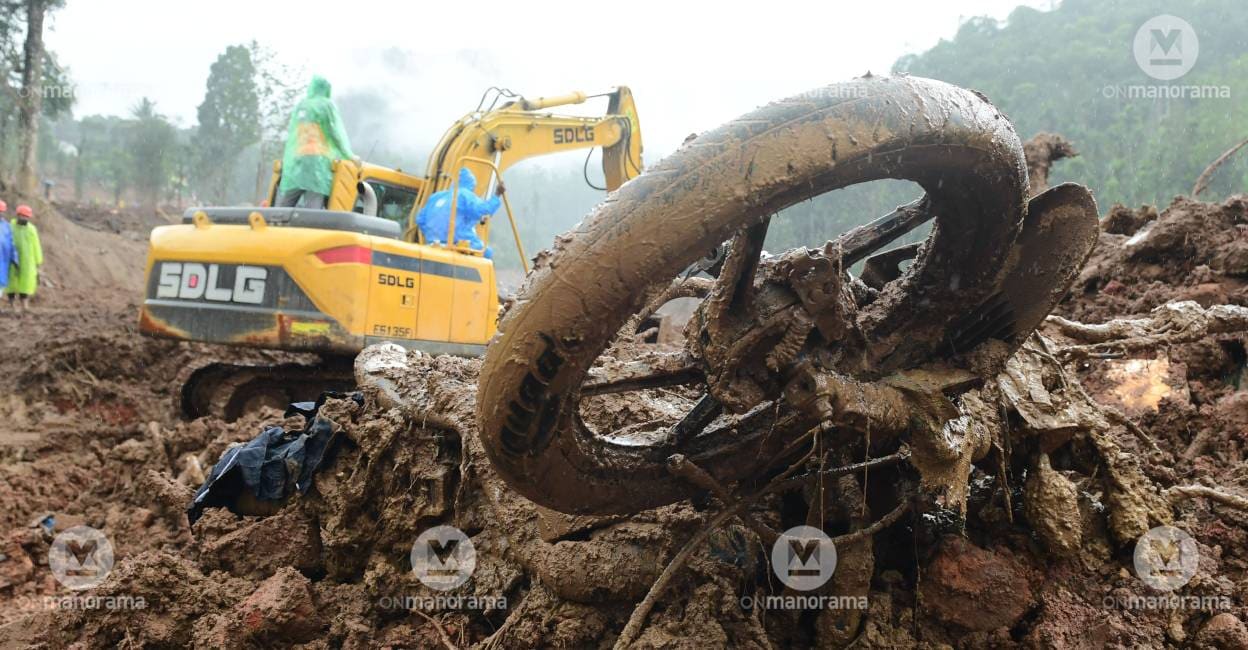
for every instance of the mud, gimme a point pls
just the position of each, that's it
(1042, 151)
(1039, 556)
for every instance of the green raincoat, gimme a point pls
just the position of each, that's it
(25, 277)
(315, 138)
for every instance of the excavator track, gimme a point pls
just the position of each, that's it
(231, 390)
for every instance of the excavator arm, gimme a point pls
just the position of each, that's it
(522, 129)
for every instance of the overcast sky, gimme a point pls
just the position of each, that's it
(690, 69)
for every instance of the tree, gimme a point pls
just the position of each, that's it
(229, 119)
(58, 92)
(277, 90)
(33, 90)
(151, 140)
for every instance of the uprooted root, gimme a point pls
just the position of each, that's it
(1170, 324)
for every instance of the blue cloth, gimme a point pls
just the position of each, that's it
(434, 218)
(8, 252)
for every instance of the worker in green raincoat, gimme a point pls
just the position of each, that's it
(315, 138)
(24, 277)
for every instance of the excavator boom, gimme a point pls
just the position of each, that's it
(519, 130)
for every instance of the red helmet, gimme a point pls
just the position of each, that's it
(25, 211)
(4, 207)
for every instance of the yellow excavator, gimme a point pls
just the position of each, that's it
(358, 272)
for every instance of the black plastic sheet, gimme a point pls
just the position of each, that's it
(274, 464)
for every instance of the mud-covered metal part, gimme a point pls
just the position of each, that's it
(841, 401)
(733, 329)
(882, 268)
(950, 141)
(656, 372)
(860, 242)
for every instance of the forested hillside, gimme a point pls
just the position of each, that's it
(1072, 71)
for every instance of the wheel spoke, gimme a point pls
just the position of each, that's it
(860, 242)
(696, 420)
(644, 380)
(734, 288)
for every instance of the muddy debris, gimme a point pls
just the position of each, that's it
(1020, 532)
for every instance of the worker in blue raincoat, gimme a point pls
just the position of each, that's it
(8, 252)
(435, 217)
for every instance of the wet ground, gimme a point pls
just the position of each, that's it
(90, 438)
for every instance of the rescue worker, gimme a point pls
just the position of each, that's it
(24, 277)
(8, 252)
(315, 138)
(434, 219)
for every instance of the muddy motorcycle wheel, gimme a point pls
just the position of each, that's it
(959, 148)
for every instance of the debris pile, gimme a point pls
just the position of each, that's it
(1095, 433)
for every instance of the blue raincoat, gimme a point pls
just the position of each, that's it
(434, 218)
(8, 252)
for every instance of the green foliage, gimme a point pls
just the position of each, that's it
(278, 89)
(151, 142)
(1067, 71)
(224, 160)
(56, 88)
(229, 119)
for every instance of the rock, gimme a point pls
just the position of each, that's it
(1052, 504)
(1122, 220)
(1207, 294)
(1233, 260)
(1224, 632)
(169, 496)
(977, 589)
(261, 547)
(281, 608)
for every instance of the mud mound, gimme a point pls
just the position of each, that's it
(1192, 250)
(131, 222)
(79, 258)
(333, 566)
(112, 477)
(1190, 393)
(62, 366)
